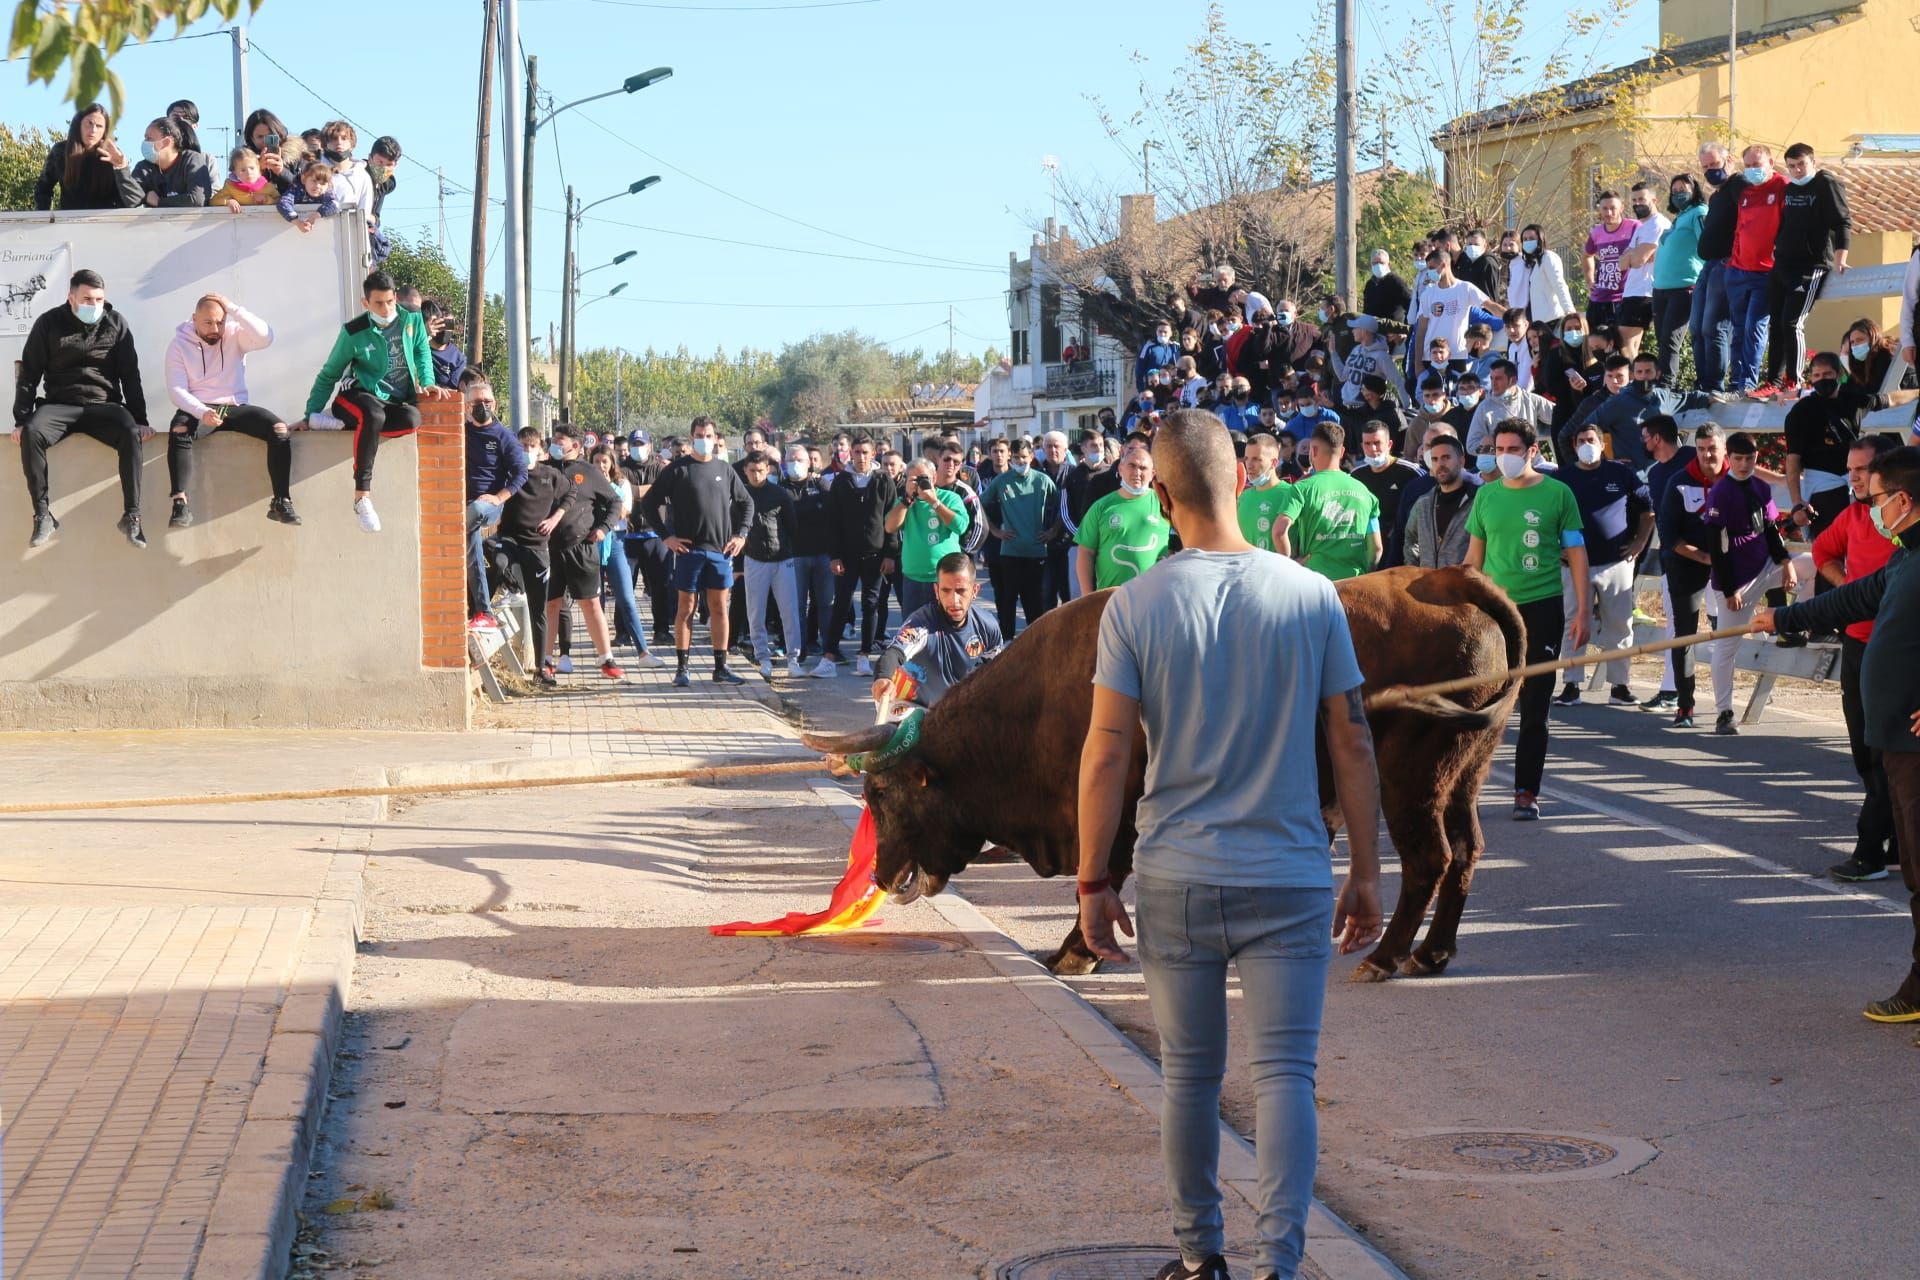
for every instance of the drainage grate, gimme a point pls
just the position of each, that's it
(1111, 1262)
(854, 943)
(1503, 1155)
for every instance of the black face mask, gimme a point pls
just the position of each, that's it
(1679, 201)
(482, 413)
(1643, 386)
(1827, 386)
(1643, 211)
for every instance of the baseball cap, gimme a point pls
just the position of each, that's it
(638, 437)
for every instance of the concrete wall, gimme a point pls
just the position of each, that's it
(239, 621)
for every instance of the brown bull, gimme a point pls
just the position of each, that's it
(997, 760)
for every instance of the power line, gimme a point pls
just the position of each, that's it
(783, 306)
(781, 248)
(906, 253)
(937, 324)
(736, 8)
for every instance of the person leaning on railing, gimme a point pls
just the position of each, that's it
(88, 167)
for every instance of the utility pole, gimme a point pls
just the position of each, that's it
(240, 86)
(510, 112)
(568, 286)
(1733, 56)
(1343, 213)
(482, 159)
(619, 389)
(949, 342)
(440, 182)
(526, 174)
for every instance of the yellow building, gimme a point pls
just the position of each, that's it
(1832, 76)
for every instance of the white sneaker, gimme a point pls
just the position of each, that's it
(826, 670)
(369, 518)
(794, 671)
(649, 660)
(766, 669)
(564, 665)
(862, 667)
(324, 422)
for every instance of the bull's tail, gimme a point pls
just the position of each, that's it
(1467, 719)
(1481, 592)
(1485, 595)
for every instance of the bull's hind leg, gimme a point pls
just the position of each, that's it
(1072, 959)
(1422, 846)
(1464, 835)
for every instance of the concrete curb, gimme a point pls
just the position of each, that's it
(251, 1228)
(1334, 1246)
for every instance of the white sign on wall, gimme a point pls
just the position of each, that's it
(33, 278)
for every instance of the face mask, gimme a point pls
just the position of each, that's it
(1020, 468)
(1467, 401)
(1379, 462)
(796, 471)
(703, 447)
(1435, 407)
(1437, 364)
(383, 321)
(641, 452)
(1755, 175)
(149, 153)
(1484, 462)
(1260, 480)
(482, 413)
(1511, 465)
(1530, 246)
(1643, 211)
(89, 312)
(1474, 251)
(1717, 177)
(1827, 386)
(1324, 317)
(555, 452)
(1379, 270)
(1589, 453)
(1801, 182)
(1860, 350)
(1092, 457)
(1572, 335)
(1283, 319)
(336, 157)
(1880, 521)
(1129, 490)
(1679, 200)
(1642, 386)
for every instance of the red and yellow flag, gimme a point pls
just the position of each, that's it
(854, 899)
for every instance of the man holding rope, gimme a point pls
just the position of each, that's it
(1889, 676)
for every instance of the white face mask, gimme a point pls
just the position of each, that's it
(1511, 465)
(1379, 270)
(1589, 452)
(1379, 462)
(1129, 490)
(1261, 480)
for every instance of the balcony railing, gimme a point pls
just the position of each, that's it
(1083, 380)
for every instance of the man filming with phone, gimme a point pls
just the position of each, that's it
(930, 522)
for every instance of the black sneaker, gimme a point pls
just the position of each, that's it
(1724, 726)
(43, 526)
(130, 525)
(1682, 718)
(1621, 697)
(1526, 807)
(1568, 696)
(723, 676)
(182, 514)
(1214, 1268)
(281, 509)
(1790, 640)
(1855, 871)
(1664, 701)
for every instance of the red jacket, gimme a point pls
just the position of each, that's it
(1757, 225)
(1234, 346)
(1853, 538)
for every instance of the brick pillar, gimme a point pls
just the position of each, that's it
(443, 544)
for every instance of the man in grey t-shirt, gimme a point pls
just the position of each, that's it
(1232, 855)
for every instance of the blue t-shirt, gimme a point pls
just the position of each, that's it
(1224, 804)
(1612, 499)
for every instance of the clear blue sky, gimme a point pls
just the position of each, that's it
(914, 126)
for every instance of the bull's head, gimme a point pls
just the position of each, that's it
(917, 847)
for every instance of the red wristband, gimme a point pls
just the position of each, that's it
(1087, 888)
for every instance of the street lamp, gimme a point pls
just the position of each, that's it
(571, 278)
(617, 260)
(603, 297)
(536, 122)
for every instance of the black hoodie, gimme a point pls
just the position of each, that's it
(1814, 221)
(81, 363)
(189, 184)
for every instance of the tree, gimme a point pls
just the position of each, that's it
(1404, 208)
(84, 35)
(22, 153)
(818, 379)
(421, 264)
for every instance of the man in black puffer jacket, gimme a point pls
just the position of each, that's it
(83, 353)
(858, 503)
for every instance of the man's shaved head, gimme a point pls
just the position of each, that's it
(1193, 456)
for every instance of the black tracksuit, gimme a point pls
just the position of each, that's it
(520, 551)
(92, 381)
(857, 538)
(1814, 222)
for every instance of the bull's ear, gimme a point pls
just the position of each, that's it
(926, 773)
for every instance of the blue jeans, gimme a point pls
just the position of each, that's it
(1747, 306)
(814, 580)
(1280, 941)
(618, 578)
(481, 515)
(1710, 328)
(913, 596)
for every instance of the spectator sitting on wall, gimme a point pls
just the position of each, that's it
(245, 184)
(88, 167)
(171, 176)
(266, 134)
(356, 185)
(313, 188)
(84, 353)
(496, 470)
(383, 355)
(207, 382)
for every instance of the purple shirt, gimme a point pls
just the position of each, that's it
(1744, 508)
(1606, 248)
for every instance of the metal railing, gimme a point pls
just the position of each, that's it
(1082, 380)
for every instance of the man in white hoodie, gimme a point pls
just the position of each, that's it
(207, 382)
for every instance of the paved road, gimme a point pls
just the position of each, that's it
(1659, 962)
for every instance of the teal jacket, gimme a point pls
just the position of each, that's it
(361, 347)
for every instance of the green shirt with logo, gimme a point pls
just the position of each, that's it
(1022, 503)
(1333, 515)
(925, 539)
(1127, 536)
(1259, 508)
(1524, 530)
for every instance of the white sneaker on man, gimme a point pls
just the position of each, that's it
(863, 667)
(649, 660)
(827, 670)
(794, 669)
(363, 512)
(564, 665)
(324, 422)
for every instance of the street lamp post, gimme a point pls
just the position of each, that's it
(571, 286)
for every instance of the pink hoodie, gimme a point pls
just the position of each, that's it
(199, 374)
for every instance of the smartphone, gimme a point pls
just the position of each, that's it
(273, 141)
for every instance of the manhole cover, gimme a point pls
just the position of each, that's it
(1505, 1154)
(848, 943)
(1111, 1262)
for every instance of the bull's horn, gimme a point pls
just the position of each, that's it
(906, 737)
(840, 744)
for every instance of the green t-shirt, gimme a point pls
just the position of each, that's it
(924, 539)
(1259, 508)
(1333, 514)
(1022, 503)
(1127, 536)
(1524, 530)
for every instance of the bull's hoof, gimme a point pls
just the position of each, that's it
(1424, 962)
(1414, 967)
(1370, 970)
(1067, 963)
